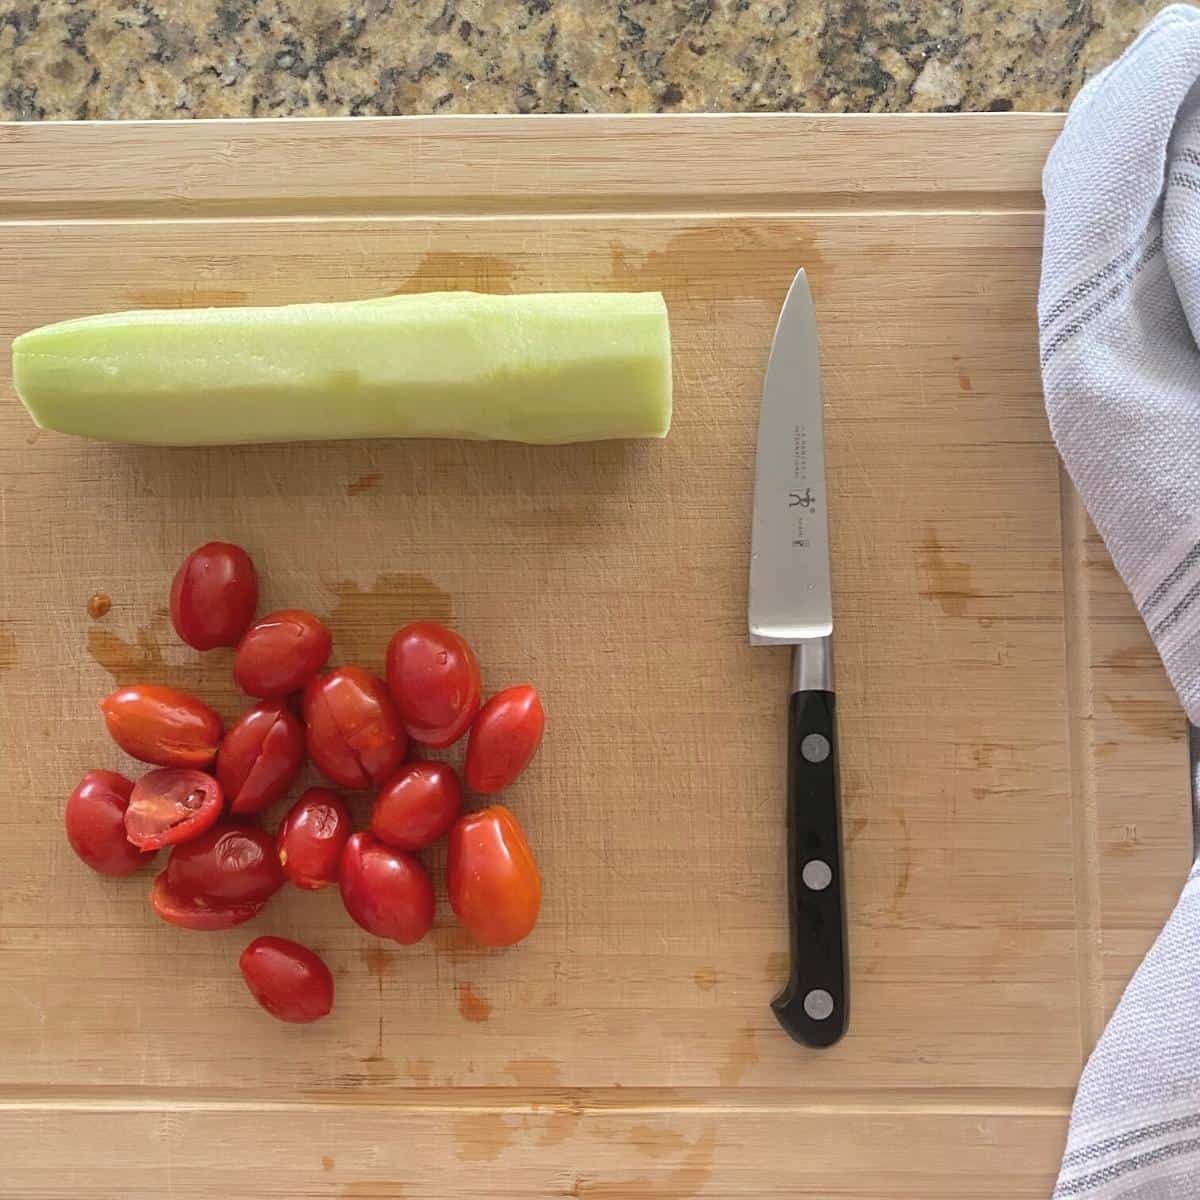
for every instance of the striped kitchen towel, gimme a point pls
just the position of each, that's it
(1119, 317)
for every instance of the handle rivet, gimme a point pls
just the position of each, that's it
(818, 1004)
(815, 747)
(816, 875)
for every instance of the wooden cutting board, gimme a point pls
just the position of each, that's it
(1015, 772)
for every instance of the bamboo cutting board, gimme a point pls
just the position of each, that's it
(1015, 777)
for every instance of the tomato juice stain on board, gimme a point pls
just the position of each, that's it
(8, 646)
(98, 605)
(364, 483)
(472, 1005)
(363, 619)
(378, 960)
(207, 676)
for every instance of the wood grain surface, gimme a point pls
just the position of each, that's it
(1015, 773)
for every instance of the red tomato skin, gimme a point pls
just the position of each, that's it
(172, 805)
(280, 653)
(434, 679)
(312, 837)
(287, 979)
(162, 725)
(95, 821)
(213, 596)
(353, 733)
(417, 805)
(493, 881)
(260, 756)
(388, 892)
(228, 865)
(197, 914)
(503, 739)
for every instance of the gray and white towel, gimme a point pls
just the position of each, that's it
(1119, 316)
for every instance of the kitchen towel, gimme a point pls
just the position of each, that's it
(1119, 322)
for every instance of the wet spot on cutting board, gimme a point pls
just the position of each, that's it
(484, 1136)
(1132, 658)
(558, 1127)
(946, 580)
(419, 1070)
(682, 269)
(378, 961)
(775, 969)
(854, 829)
(534, 1072)
(706, 978)
(327, 1163)
(98, 605)
(8, 646)
(446, 271)
(964, 382)
(142, 661)
(904, 871)
(187, 298)
(1149, 718)
(743, 1054)
(364, 618)
(364, 483)
(655, 1141)
(472, 1005)
(455, 944)
(682, 1182)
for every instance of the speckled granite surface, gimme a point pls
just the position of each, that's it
(62, 59)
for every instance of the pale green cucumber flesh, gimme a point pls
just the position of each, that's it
(541, 368)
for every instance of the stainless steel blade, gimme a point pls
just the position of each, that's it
(790, 598)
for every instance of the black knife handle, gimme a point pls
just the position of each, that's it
(813, 1004)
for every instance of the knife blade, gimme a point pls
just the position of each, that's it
(791, 603)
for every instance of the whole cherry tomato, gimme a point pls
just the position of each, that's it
(213, 596)
(197, 913)
(354, 734)
(260, 756)
(311, 839)
(280, 653)
(494, 885)
(434, 679)
(230, 864)
(504, 738)
(287, 979)
(95, 821)
(417, 805)
(170, 806)
(388, 892)
(162, 725)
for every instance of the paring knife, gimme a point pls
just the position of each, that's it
(791, 604)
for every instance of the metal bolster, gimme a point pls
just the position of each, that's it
(812, 665)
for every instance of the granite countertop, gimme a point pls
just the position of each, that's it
(110, 59)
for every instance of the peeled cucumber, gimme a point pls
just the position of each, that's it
(541, 368)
